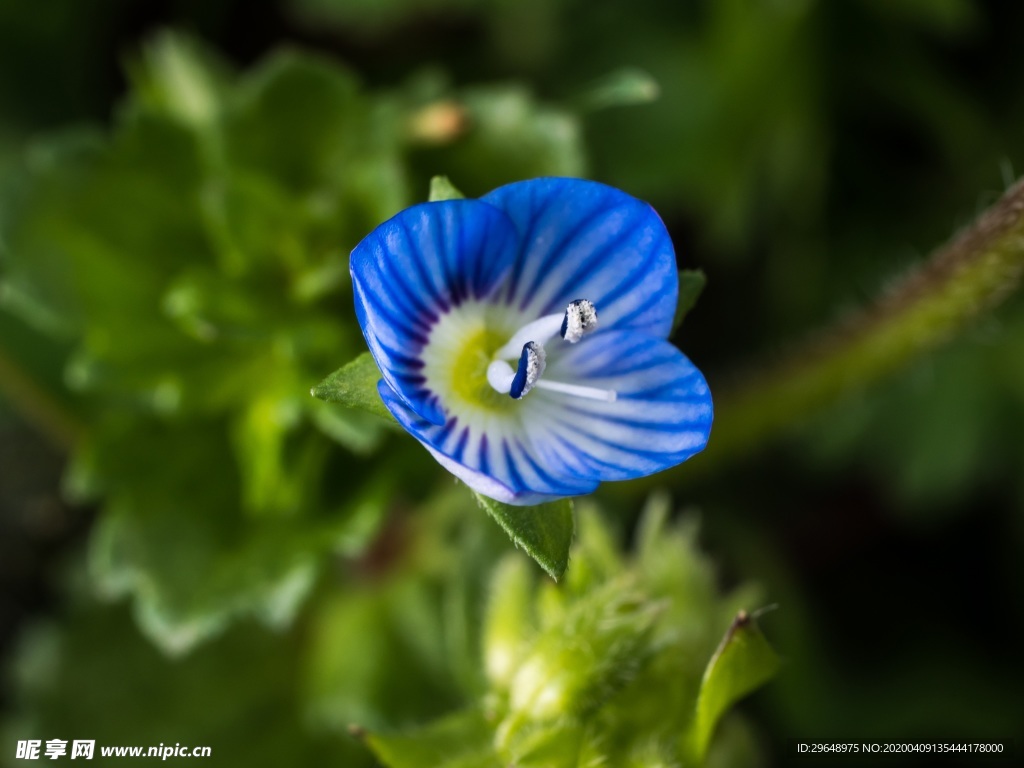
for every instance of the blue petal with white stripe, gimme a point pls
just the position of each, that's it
(586, 239)
(660, 417)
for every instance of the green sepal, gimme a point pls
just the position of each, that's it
(354, 385)
(545, 531)
(442, 189)
(691, 285)
(743, 662)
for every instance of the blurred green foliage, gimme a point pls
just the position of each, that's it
(617, 667)
(173, 282)
(194, 261)
(613, 659)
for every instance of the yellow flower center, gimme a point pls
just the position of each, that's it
(469, 371)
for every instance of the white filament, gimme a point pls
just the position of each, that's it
(589, 393)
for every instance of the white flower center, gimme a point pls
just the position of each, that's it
(527, 344)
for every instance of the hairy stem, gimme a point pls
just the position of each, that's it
(970, 274)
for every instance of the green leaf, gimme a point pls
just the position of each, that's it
(180, 78)
(544, 531)
(462, 740)
(90, 211)
(299, 119)
(193, 568)
(187, 581)
(442, 189)
(355, 386)
(691, 285)
(621, 88)
(743, 662)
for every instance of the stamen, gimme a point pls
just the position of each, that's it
(501, 375)
(580, 319)
(540, 331)
(590, 393)
(531, 366)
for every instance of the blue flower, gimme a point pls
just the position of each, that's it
(522, 338)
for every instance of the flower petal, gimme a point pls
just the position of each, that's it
(585, 240)
(661, 415)
(496, 459)
(417, 266)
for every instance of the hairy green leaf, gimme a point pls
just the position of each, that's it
(354, 385)
(544, 531)
(743, 662)
(194, 567)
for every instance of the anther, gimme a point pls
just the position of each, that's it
(531, 366)
(580, 319)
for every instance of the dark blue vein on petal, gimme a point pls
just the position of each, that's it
(630, 283)
(628, 318)
(578, 278)
(657, 456)
(514, 476)
(460, 447)
(558, 252)
(424, 315)
(544, 477)
(430, 288)
(525, 239)
(395, 323)
(444, 256)
(485, 464)
(589, 458)
(399, 358)
(445, 431)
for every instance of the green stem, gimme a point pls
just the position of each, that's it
(54, 422)
(969, 275)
